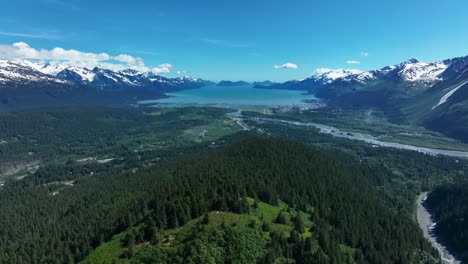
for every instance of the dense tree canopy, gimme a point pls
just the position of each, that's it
(360, 198)
(450, 205)
(47, 228)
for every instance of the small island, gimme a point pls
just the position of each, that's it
(231, 83)
(263, 84)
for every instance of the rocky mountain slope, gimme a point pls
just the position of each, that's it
(27, 84)
(21, 72)
(432, 94)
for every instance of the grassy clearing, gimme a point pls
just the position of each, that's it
(212, 131)
(111, 251)
(173, 240)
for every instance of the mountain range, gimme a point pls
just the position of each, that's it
(411, 72)
(26, 83)
(434, 94)
(430, 94)
(26, 72)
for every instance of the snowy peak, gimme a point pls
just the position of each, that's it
(415, 71)
(329, 75)
(23, 72)
(412, 61)
(363, 76)
(104, 78)
(75, 74)
(412, 70)
(18, 72)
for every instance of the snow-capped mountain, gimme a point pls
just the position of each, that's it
(14, 73)
(412, 70)
(446, 103)
(388, 85)
(319, 78)
(76, 74)
(416, 71)
(26, 84)
(326, 75)
(431, 94)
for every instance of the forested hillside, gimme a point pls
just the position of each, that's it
(398, 175)
(450, 205)
(165, 179)
(341, 202)
(76, 133)
(64, 224)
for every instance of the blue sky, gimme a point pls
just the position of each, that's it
(244, 39)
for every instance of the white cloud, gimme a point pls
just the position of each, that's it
(181, 72)
(365, 54)
(287, 66)
(352, 62)
(129, 59)
(163, 68)
(71, 57)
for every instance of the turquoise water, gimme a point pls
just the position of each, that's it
(234, 95)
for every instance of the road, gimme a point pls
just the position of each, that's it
(237, 117)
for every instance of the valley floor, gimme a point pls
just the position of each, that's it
(370, 139)
(378, 141)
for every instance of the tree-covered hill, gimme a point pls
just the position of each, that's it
(450, 205)
(50, 225)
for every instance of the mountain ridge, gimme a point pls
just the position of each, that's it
(431, 94)
(232, 83)
(411, 70)
(101, 78)
(26, 84)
